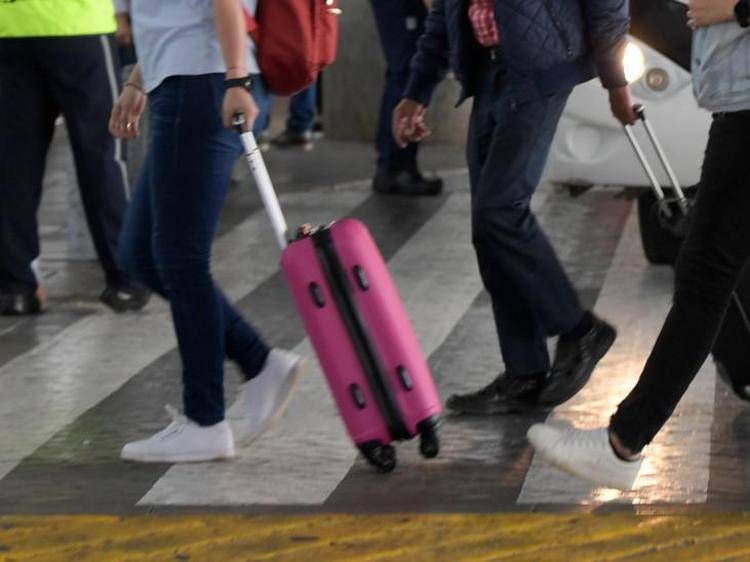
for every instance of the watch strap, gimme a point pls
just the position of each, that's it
(244, 82)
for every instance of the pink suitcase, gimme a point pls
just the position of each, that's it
(359, 328)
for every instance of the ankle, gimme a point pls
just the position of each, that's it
(620, 450)
(583, 327)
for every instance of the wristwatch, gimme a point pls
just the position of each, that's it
(742, 13)
(244, 82)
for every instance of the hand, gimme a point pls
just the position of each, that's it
(239, 100)
(622, 105)
(409, 122)
(126, 114)
(703, 13)
(124, 33)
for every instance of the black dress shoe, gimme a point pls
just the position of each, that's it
(574, 362)
(125, 298)
(406, 182)
(502, 396)
(21, 305)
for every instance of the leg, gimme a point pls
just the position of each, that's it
(27, 117)
(400, 24)
(85, 85)
(263, 101)
(532, 297)
(717, 248)
(302, 111)
(193, 156)
(136, 258)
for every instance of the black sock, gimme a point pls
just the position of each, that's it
(617, 453)
(581, 329)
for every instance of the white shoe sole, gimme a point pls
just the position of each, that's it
(292, 381)
(198, 456)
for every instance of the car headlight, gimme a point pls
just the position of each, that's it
(634, 63)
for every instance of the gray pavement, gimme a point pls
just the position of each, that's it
(78, 381)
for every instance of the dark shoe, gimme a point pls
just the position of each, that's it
(294, 139)
(574, 362)
(125, 298)
(22, 304)
(406, 182)
(317, 131)
(501, 396)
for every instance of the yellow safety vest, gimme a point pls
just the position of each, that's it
(56, 18)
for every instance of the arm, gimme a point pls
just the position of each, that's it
(703, 13)
(124, 33)
(127, 111)
(232, 34)
(430, 63)
(607, 23)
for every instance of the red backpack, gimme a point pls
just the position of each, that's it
(296, 39)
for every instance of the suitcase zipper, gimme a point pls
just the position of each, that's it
(342, 295)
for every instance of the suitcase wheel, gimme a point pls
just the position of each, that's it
(429, 438)
(382, 457)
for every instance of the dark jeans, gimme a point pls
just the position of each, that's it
(511, 129)
(302, 110)
(712, 257)
(39, 79)
(169, 229)
(400, 24)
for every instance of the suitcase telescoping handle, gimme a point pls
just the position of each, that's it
(681, 199)
(262, 180)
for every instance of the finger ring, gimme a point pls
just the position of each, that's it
(128, 126)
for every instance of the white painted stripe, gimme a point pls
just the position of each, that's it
(54, 383)
(110, 64)
(636, 297)
(304, 458)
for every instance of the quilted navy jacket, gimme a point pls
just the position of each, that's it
(555, 43)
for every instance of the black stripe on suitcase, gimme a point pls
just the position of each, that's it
(360, 337)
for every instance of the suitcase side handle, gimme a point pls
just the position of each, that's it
(262, 181)
(681, 199)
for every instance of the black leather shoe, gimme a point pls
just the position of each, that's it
(125, 298)
(406, 182)
(501, 396)
(21, 305)
(574, 362)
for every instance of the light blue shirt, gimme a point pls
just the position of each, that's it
(721, 67)
(178, 37)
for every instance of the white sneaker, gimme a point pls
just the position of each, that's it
(584, 453)
(263, 399)
(183, 440)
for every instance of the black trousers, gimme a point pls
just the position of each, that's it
(39, 79)
(512, 126)
(707, 271)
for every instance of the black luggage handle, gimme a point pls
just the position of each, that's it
(681, 199)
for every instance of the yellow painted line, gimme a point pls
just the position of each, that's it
(371, 538)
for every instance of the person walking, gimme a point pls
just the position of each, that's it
(298, 132)
(400, 24)
(59, 57)
(716, 250)
(520, 61)
(197, 68)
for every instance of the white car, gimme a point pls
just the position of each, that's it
(590, 147)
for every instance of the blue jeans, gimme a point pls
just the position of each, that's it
(168, 231)
(302, 111)
(510, 133)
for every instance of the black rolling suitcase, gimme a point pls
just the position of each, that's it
(664, 221)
